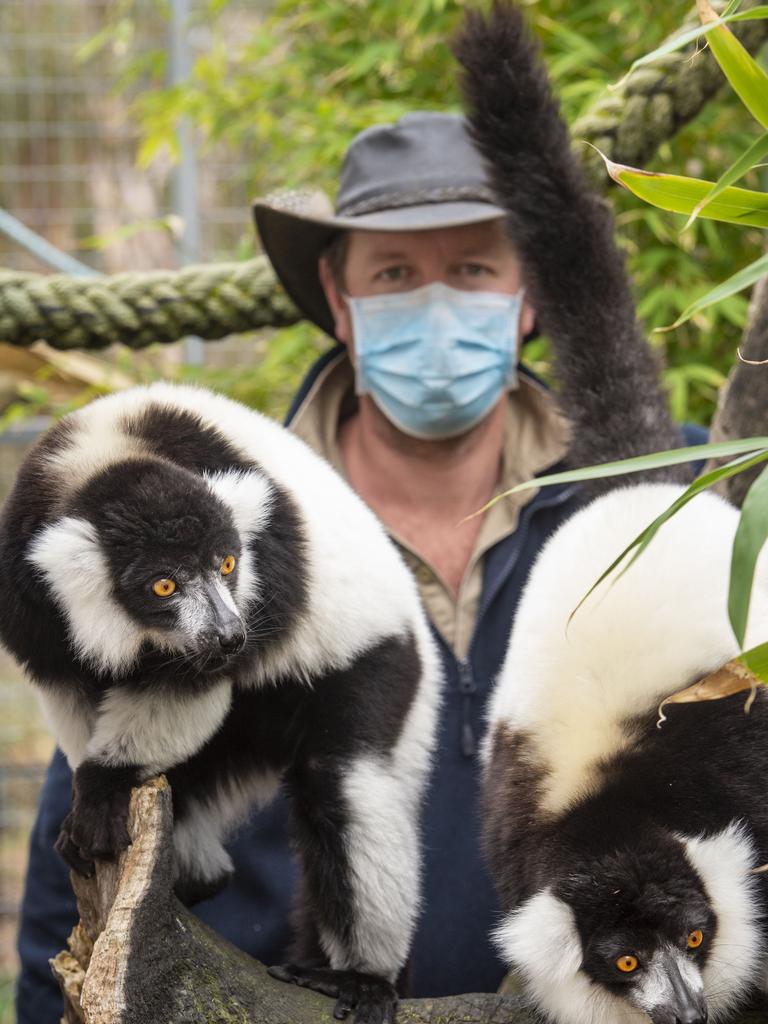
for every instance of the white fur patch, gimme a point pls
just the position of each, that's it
(70, 557)
(541, 941)
(571, 684)
(154, 729)
(69, 718)
(737, 956)
(98, 439)
(382, 845)
(199, 836)
(249, 497)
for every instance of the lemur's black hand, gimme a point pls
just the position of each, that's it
(373, 999)
(66, 849)
(97, 826)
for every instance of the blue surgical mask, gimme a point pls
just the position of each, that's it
(435, 360)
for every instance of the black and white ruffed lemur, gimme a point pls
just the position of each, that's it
(624, 854)
(193, 591)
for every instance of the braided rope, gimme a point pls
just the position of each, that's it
(212, 301)
(208, 301)
(629, 123)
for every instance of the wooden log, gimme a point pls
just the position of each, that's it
(138, 956)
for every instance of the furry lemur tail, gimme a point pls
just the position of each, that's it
(572, 269)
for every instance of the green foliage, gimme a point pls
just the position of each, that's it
(283, 88)
(719, 200)
(6, 999)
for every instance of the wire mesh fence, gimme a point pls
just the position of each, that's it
(68, 141)
(68, 171)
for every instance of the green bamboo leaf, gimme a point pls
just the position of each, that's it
(677, 42)
(658, 460)
(753, 156)
(751, 535)
(738, 282)
(756, 660)
(644, 538)
(680, 194)
(749, 81)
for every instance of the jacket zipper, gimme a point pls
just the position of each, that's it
(467, 689)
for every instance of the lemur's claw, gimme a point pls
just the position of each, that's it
(373, 999)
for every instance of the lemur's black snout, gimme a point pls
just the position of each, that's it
(231, 640)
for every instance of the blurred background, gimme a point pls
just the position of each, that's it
(133, 135)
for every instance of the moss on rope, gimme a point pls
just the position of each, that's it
(137, 309)
(210, 301)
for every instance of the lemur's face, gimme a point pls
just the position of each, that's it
(657, 970)
(646, 932)
(174, 558)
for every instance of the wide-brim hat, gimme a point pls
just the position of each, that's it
(419, 174)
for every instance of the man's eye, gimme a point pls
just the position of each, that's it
(474, 269)
(399, 273)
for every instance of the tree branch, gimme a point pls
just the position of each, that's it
(138, 956)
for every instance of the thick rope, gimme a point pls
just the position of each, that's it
(655, 101)
(137, 309)
(212, 301)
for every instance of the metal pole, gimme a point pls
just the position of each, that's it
(42, 248)
(185, 189)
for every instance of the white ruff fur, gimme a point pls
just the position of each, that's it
(540, 940)
(651, 632)
(69, 556)
(737, 957)
(156, 730)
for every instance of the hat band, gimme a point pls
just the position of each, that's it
(396, 200)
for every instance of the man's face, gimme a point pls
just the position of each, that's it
(475, 257)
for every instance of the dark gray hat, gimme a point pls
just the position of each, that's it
(421, 173)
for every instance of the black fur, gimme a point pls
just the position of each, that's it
(572, 269)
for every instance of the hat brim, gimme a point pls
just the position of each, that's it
(294, 242)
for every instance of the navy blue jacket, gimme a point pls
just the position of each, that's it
(451, 953)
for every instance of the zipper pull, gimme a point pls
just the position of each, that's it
(467, 688)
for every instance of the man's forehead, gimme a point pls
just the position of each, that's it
(465, 239)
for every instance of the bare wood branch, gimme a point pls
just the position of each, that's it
(139, 957)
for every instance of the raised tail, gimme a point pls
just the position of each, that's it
(573, 270)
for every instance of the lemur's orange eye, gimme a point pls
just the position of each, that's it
(227, 565)
(627, 963)
(163, 588)
(695, 939)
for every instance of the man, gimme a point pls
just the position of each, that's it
(423, 409)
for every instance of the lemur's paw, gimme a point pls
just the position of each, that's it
(66, 849)
(99, 826)
(194, 890)
(372, 998)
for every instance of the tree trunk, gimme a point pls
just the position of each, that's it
(742, 409)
